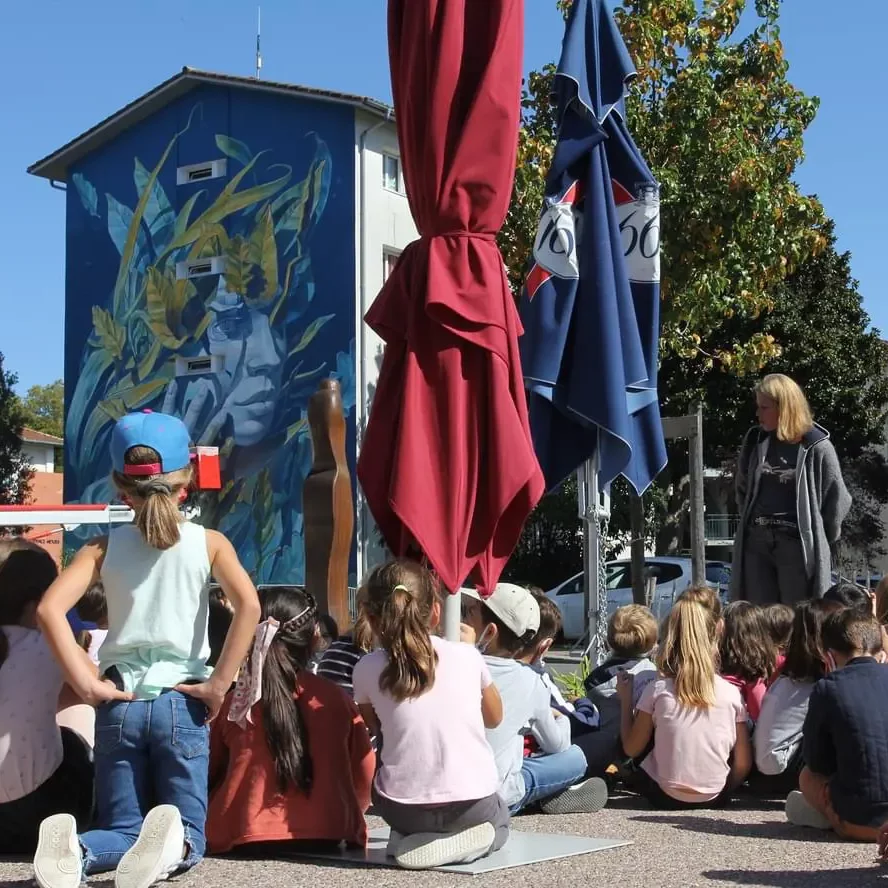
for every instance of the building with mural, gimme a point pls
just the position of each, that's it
(224, 237)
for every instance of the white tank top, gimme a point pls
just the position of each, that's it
(158, 605)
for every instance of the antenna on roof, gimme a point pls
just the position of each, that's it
(258, 38)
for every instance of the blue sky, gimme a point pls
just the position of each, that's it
(65, 65)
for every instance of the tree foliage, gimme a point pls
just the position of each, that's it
(15, 473)
(44, 407)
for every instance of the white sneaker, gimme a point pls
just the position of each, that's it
(58, 861)
(800, 812)
(583, 798)
(157, 853)
(428, 850)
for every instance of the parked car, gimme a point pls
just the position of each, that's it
(673, 576)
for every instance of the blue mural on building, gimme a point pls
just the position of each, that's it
(274, 316)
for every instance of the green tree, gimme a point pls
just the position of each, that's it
(44, 408)
(827, 345)
(15, 473)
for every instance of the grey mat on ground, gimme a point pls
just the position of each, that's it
(523, 848)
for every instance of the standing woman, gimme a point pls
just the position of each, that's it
(792, 501)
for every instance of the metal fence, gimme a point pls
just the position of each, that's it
(721, 527)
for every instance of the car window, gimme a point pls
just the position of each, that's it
(571, 588)
(720, 574)
(663, 571)
(619, 576)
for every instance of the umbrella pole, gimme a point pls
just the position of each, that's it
(452, 616)
(591, 513)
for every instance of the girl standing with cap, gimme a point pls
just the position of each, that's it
(155, 694)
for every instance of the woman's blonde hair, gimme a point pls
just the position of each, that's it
(794, 418)
(154, 498)
(687, 654)
(397, 600)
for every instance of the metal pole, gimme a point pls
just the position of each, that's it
(588, 496)
(698, 537)
(452, 616)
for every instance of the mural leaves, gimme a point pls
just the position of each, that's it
(263, 517)
(231, 201)
(159, 214)
(263, 252)
(111, 335)
(311, 331)
(89, 197)
(234, 148)
(120, 219)
(237, 266)
(165, 300)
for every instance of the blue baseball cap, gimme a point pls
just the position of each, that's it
(165, 434)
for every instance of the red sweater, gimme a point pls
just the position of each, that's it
(245, 804)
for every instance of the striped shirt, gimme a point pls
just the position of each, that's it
(338, 663)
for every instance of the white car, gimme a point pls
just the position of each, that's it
(673, 576)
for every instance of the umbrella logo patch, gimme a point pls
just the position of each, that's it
(640, 231)
(555, 249)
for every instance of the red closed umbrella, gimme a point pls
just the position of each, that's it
(447, 462)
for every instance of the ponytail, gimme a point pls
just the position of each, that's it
(286, 732)
(158, 517)
(399, 602)
(155, 498)
(688, 653)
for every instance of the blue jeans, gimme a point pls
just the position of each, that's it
(547, 775)
(148, 753)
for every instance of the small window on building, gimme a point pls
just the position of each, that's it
(389, 261)
(200, 172)
(391, 173)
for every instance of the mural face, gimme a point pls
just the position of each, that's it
(257, 320)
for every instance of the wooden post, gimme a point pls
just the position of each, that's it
(698, 519)
(328, 511)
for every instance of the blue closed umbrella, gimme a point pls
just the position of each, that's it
(590, 307)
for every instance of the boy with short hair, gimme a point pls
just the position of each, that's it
(844, 785)
(504, 625)
(631, 636)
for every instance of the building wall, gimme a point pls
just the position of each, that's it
(278, 320)
(386, 228)
(41, 457)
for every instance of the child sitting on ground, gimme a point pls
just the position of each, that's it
(697, 721)
(747, 654)
(844, 784)
(290, 758)
(437, 783)
(777, 740)
(631, 638)
(337, 663)
(504, 623)
(778, 620)
(44, 770)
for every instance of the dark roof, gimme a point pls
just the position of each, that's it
(32, 436)
(55, 165)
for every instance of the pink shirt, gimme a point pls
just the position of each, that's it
(689, 760)
(434, 749)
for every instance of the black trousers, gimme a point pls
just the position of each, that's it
(68, 791)
(774, 566)
(645, 785)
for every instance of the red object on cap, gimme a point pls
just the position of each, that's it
(144, 469)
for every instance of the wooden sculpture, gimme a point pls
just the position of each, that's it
(328, 511)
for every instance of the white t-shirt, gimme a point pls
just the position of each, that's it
(778, 731)
(433, 747)
(526, 706)
(30, 739)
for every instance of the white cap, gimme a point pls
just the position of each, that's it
(513, 605)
